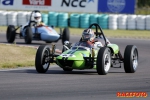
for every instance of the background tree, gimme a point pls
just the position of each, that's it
(143, 3)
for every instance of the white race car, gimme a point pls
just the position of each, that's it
(31, 32)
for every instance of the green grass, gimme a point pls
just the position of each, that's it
(137, 34)
(3, 29)
(143, 11)
(12, 56)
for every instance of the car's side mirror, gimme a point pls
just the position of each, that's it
(66, 46)
(99, 45)
(66, 42)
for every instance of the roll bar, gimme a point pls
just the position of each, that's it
(97, 26)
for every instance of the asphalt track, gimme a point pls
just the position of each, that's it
(27, 84)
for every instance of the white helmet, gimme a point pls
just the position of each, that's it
(37, 17)
(88, 34)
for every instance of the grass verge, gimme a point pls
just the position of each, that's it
(13, 56)
(137, 34)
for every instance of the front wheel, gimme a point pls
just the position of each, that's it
(65, 35)
(130, 59)
(103, 61)
(28, 35)
(42, 60)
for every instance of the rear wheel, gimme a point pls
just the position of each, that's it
(103, 61)
(130, 59)
(11, 34)
(42, 60)
(28, 35)
(65, 35)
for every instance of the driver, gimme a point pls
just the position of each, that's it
(38, 19)
(90, 38)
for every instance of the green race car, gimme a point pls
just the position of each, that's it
(82, 56)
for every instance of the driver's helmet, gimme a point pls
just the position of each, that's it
(37, 17)
(88, 35)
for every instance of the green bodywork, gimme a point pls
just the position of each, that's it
(76, 58)
(114, 48)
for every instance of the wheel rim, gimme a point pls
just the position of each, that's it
(46, 58)
(135, 59)
(107, 62)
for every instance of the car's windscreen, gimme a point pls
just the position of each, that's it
(81, 46)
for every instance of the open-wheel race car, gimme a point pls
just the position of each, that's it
(31, 31)
(78, 56)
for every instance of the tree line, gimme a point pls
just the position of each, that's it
(143, 3)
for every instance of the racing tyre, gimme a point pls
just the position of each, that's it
(28, 35)
(130, 59)
(42, 60)
(103, 61)
(65, 35)
(11, 34)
